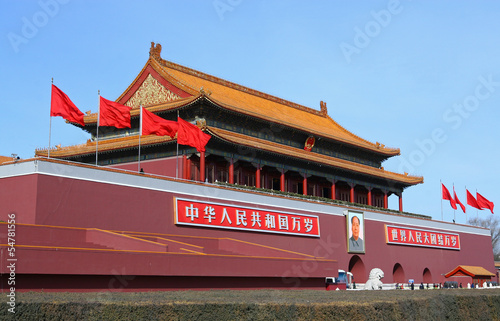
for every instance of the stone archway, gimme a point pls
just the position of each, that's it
(357, 268)
(398, 274)
(427, 276)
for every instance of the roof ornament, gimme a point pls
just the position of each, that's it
(205, 93)
(155, 50)
(200, 122)
(322, 106)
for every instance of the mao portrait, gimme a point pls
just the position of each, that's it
(355, 232)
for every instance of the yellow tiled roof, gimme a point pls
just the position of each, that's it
(270, 108)
(470, 270)
(4, 159)
(246, 101)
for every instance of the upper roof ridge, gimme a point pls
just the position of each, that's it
(155, 53)
(250, 101)
(377, 144)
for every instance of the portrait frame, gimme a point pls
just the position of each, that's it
(355, 246)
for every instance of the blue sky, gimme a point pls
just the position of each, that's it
(423, 76)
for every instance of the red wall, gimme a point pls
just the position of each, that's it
(475, 250)
(18, 196)
(79, 203)
(76, 203)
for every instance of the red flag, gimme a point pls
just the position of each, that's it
(458, 201)
(484, 203)
(472, 201)
(155, 125)
(113, 114)
(447, 196)
(191, 135)
(61, 105)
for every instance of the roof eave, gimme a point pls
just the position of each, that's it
(375, 149)
(405, 179)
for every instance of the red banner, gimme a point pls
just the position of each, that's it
(217, 215)
(413, 237)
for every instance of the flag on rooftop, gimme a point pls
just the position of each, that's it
(61, 105)
(113, 114)
(191, 135)
(472, 201)
(155, 125)
(457, 201)
(447, 196)
(484, 203)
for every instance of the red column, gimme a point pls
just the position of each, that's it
(334, 192)
(351, 196)
(202, 166)
(282, 180)
(188, 169)
(257, 177)
(231, 171)
(385, 200)
(369, 196)
(304, 185)
(401, 202)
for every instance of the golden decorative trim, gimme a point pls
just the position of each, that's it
(151, 92)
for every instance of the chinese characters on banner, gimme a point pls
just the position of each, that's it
(414, 237)
(216, 215)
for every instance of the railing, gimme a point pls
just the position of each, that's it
(319, 199)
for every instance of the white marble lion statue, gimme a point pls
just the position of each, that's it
(374, 278)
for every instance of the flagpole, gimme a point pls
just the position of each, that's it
(477, 210)
(177, 155)
(98, 118)
(50, 121)
(467, 204)
(454, 211)
(140, 134)
(441, 186)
